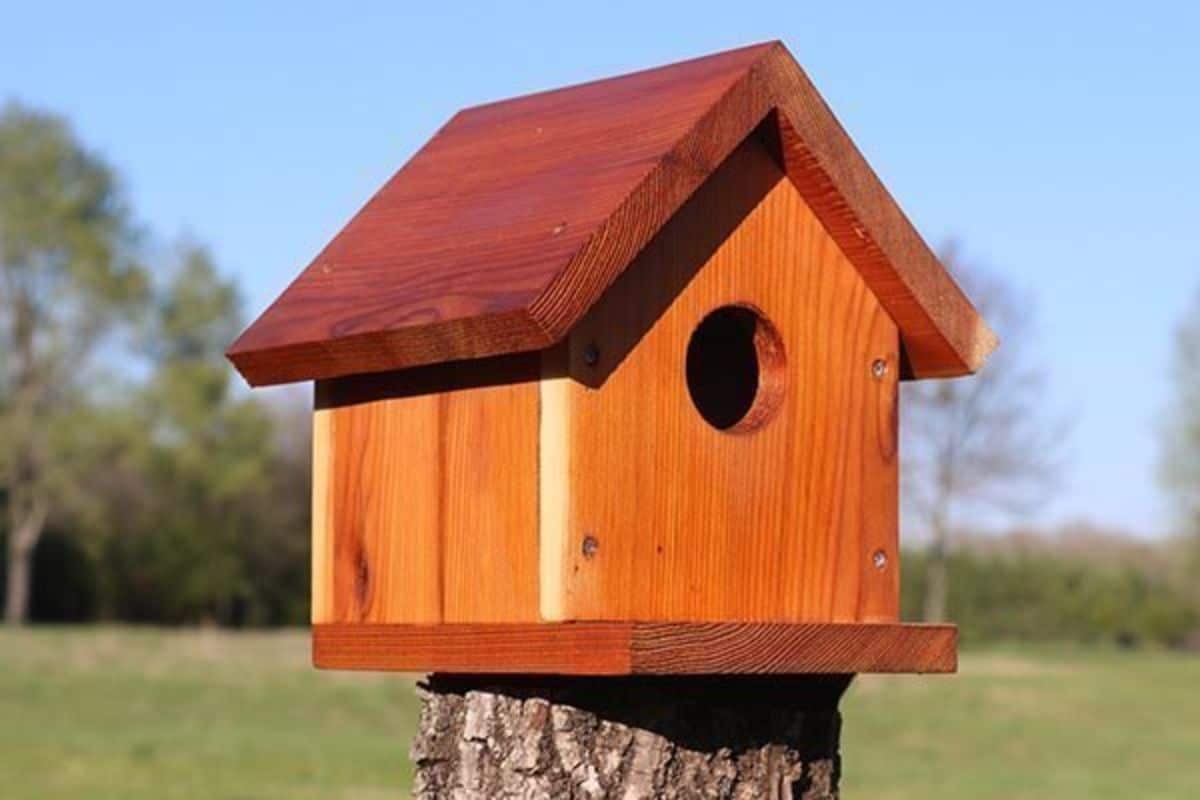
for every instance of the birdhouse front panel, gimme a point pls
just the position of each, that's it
(728, 424)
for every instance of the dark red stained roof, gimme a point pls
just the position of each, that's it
(501, 232)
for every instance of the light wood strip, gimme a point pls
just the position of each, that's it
(322, 526)
(554, 443)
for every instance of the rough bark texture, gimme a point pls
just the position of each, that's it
(629, 738)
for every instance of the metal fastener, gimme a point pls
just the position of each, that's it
(879, 367)
(590, 545)
(591, 354)
(879, 559)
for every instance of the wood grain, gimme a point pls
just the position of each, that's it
(489, 502)
(382, 521)
(629, 648)
(432, 504)
(511, 222)
(688, 522)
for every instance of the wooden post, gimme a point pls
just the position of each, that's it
(665, 737)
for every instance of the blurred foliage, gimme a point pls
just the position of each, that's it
(204, 472)
(139, 480)
(1033, 595)
(196, 491)
(202, 463)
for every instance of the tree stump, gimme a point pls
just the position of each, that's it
(529, 737)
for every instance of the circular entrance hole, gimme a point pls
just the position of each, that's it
(735, 369)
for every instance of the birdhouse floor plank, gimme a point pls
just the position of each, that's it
(638, 648)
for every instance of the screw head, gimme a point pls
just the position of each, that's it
(591, 354)
(590, 545)
(879, 368)
(879, 559)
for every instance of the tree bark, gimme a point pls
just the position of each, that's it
(676, 738)
(22, 538)
(16, 588)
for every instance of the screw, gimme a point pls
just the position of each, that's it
(591, 354)
(879, 559)
(559, 228)
(590, 545)
(879, 368)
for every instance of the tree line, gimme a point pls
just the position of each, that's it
(1076, 584)
(140, 482)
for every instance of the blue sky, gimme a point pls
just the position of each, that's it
(1060, 142)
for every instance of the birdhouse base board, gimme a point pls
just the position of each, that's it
(638, 648)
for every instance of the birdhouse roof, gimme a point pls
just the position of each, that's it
(505, 228)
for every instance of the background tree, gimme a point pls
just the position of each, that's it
(1181, 434)
(1180, 456)
(67, 275)
(981, 443)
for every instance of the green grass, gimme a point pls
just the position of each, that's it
(126, 713)
(130, 714)
(1029, 723)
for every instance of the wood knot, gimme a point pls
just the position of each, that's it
(362, 579)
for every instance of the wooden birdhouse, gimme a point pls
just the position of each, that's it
(606, 382)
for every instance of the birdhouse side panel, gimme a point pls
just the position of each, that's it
(791, 515)
(425, 497)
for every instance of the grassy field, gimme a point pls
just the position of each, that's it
(130, 714)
